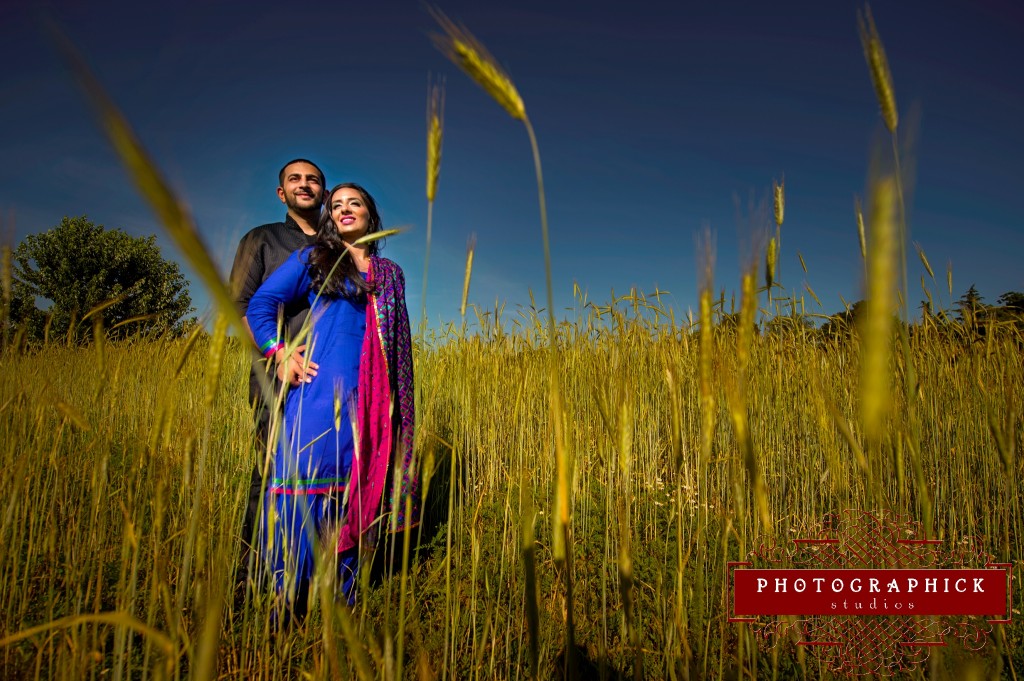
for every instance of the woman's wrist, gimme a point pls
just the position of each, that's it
(271, 348)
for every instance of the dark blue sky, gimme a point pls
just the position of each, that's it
(654, 121)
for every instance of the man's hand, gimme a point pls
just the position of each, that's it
(294, 370)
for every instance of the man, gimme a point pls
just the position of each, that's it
(260, 252)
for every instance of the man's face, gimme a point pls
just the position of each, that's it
(301, 190)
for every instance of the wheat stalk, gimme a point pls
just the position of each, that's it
(814, 295)
(779, 209)
(470, 248)
(707, 395)
(859, 211)
(748, 312)
(738, 398)
(924, 260)
(459, 45)
(771, 260)
(779, 196)
(862, 240)
(877, 323)
(435, 137)
(466, 52)
(874, 53)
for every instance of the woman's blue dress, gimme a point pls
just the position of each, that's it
(304, 499)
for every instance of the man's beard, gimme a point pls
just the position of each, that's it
(293, 204)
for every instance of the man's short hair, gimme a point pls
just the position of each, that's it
(280, 175)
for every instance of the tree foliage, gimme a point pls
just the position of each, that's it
(78, 265)
(974, 319)
(1013, 300)
(969, 305)
(843, 324)
(1010, 311)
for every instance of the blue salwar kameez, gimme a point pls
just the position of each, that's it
(304, 501)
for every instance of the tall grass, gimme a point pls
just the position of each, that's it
(122, 506)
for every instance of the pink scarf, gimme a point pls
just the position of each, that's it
(387, 328)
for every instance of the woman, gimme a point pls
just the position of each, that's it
(356, 391)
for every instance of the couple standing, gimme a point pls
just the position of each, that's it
(347, 417)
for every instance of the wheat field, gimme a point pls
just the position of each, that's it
(123, 490)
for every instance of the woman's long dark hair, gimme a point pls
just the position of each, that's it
(345, 280)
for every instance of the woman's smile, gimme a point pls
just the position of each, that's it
(350, 214)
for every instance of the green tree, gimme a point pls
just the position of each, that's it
(78, 265)
(969, 305)
(843, 324)
(1013, 300)
(1010, 314)
(974, 314)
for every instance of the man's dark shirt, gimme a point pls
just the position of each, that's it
(260, 252)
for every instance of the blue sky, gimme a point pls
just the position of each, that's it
(655, 121)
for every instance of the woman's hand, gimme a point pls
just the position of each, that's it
(294, 370)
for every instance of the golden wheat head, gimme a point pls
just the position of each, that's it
(779, 190)
(466, 52)
(470, 249)
(924, 260)
(435, 135)
(860, 230)
(874, 53)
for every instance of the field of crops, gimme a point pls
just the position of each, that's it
(124, 474)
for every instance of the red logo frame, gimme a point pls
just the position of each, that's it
(853, 574)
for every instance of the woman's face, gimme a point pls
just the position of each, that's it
(350, 214)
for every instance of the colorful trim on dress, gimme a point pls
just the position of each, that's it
(296, 486)
(270, 347)
(380, 334)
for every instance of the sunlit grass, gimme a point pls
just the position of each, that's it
(132, 506)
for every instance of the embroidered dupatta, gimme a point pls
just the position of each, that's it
(385, 412)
